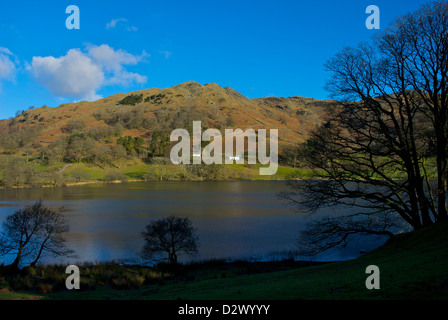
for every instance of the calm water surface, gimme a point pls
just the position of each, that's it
(234, 219)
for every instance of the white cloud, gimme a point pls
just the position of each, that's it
(111, 59)
(132, 28)
(7, 66)
(5, 50)
(113, 23)
(113, 62)
(124, 78)
(81, 74)
(123, 21)
(166, 54)
(73, 75)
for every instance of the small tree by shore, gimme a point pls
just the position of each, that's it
(33, 232)
(166, 238)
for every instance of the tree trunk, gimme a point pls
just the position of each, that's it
(441, 186)
(32, 264)
(173, 258)
(442, 172)
(15, 264)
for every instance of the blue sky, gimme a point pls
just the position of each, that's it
(259, 48)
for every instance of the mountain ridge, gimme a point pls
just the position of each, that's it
(295, 117)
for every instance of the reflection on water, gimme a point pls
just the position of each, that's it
(233, 219)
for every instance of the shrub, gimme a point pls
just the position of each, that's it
(44, 288)
(75, 125)
(136, 280)
(156, 98)
(19, 282)
(79, 174)
(132, 99)
(115, 175)
(128, 281)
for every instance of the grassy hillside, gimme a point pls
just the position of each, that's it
(127, 136)
(412, 266)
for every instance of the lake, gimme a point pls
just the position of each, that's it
(234, 219)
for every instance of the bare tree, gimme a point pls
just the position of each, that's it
(17, 172)
(33, 232)
(56, 151)
(75, 126)
(102, 156)
(80, 147)
(325, 233)
(118, 153)
(384, 150)
(169, 236)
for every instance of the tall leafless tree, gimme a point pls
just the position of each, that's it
(384, 150)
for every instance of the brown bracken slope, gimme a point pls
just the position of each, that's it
(294, 117)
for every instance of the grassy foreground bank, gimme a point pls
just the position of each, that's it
(412, 266)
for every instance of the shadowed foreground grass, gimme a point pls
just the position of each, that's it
(412, 266)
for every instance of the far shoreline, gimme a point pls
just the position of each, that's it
(89, 182)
